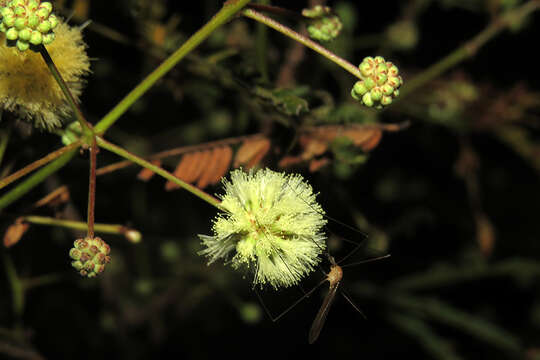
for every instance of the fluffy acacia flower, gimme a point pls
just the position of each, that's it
(28, 89)
(271, 223)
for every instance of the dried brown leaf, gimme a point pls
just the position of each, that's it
(226, 155)
(315, 141)
(316, 164)
(198, 166)
(146, 174)
(15, 232)
(54, 198)
(485, 234)
(251, 152)
(209, 172)
(181, 168)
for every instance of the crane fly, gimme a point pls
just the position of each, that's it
(334, 278)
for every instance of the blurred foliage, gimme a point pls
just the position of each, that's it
(454, 197)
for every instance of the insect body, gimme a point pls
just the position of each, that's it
(334, 278)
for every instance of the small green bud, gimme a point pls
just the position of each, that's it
(133, 236)
(42, 12)
(19, 11)
(53, 20)
(380, 79)
(22, 45)
(387, 89)
(6, 12)
(32, 5)
(12, 34)
(376, 94)
(9, 21)
(36, 38)
(48, 38)
(367, 100)
(44, 27)
(360, 87)
(47, 6)
(25, 34)
(386, 100)
(33, 21)
(20, 23)
(370, 83)
(75, 254)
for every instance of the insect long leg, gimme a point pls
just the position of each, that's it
(365, 261)
(284, 312)
(349, 300)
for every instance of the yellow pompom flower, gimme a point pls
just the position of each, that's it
(270, 223)
(28, 89)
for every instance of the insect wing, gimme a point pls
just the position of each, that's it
(320, 319)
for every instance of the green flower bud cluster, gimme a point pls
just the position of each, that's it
(27, 22)
(323, 24)
(380, 84)
(90, 255)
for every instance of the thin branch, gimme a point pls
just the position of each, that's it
(67, 93)
(158, 170)
(179, 151)
(92, 188)
(38, 163)
(252, 14)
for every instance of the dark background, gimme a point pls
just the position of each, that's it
(451, 289)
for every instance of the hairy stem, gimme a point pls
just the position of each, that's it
(92, 189)
(255, 15)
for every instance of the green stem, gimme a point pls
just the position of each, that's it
(17, 289)
(38, 163)
(4, 139)
(67, 93)
(250, 13)
(116, 229)
(471, 47)
(230, 8)
(35, 179)
(158, 170)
